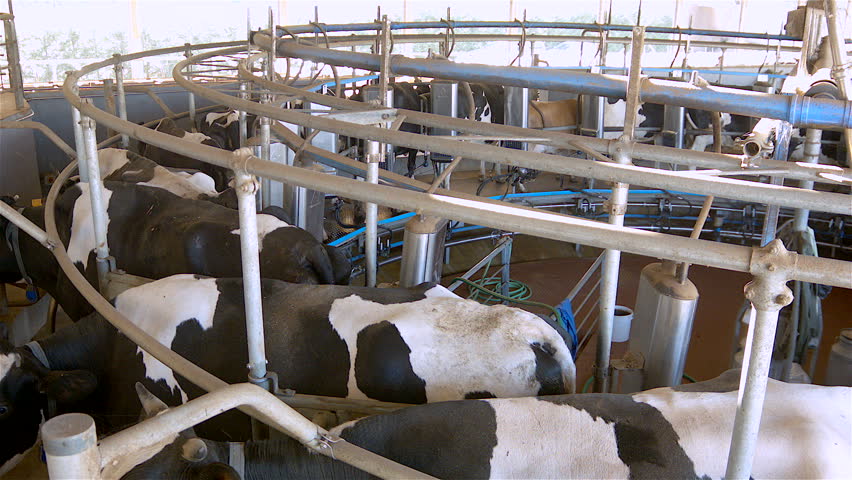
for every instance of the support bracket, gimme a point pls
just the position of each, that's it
(772, 266)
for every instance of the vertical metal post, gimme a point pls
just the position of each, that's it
(768, 293)
(96, 194)
(71, 447)
(374, 155)
(16, 79)
(813, 142)
(505, 270)
(246, 187)
(79, 145)
(122, 99)
(242, 116)
(375, 152)
(782, 146)
(617, 207)
(839, 59)
(188, 53)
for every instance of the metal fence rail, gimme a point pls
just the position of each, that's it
(772, 266)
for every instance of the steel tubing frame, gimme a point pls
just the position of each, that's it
(524, 220)
(73, 451)
(640, 151)
(50, 238)
(562, 228)
(798, 110)
(720, 187)
(840, 59)
(363, 27)
(617, 207)
(96, 197)
(246, 188)
(549, 225)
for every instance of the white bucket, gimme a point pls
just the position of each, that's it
(622, 318)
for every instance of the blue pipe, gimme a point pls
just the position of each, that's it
(361, 27)
(668, 70)
(795, 109)
(347, 81)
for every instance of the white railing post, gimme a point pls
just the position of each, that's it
(122, 98)
(96, 195)
(246, 187)
(71, 447)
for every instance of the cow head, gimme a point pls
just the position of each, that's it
(9, 271)
(186, 458)
(25, 388)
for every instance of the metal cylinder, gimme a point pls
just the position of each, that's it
(422, 251)
(839, 370)
(70, 447)
(246, 187)
(96, 196)
(122, 98)
(370, 228)
(813, 142)
(662, 323)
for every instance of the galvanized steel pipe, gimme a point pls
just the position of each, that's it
(640, 150)
(813, 142)
(618, 207)
(798, 110)
(840, 70)
(96, 196)
(246, 187)
(721, 187)
(538, 223)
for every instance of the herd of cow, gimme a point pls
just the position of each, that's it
(496, 383)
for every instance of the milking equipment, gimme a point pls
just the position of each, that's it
(423, 250)
(662, 323)
(445, 101)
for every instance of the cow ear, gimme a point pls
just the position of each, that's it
(68, 386)
(152, 405)
(216, 471)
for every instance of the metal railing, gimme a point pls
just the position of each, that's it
(772, 266)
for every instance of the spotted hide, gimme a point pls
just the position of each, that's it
(400, 345)
(123, 166)
(153, 233)
(220, 175)
(659, 434)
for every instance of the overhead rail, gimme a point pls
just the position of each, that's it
(722, 187)
(453, 24)
(772, 266)
(795, 109)
(708, 160)
(537, 223)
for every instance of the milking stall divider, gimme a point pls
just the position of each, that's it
(69, 440)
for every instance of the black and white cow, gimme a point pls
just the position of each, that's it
(153, 233)
(681, 432)
(220, 175)
(415, 345)
(124, 166)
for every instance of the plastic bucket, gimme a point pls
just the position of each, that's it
(622, 318)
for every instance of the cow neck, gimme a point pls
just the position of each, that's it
(38, 352)
(81, 346)
(12, 235)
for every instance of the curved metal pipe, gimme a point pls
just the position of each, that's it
(568, 141)
(722, 187)
(800, 111)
